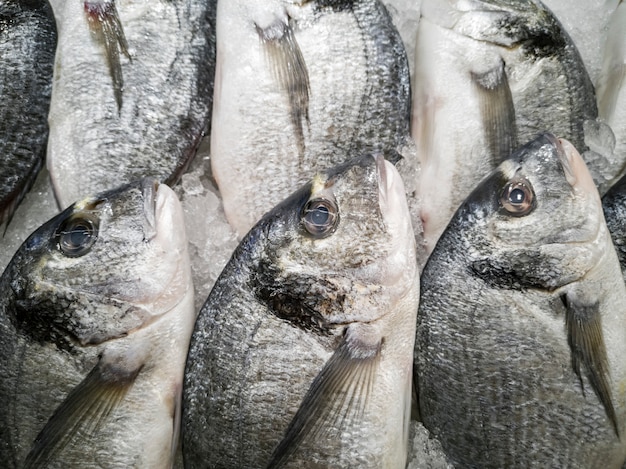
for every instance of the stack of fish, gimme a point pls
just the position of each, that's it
(306, 350)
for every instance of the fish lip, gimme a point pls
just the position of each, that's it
(383, 181)
(150, 193)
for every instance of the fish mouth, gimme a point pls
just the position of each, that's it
(390, 187)
(157, 201)
(149, 191)
(381, 173)
(574, 167)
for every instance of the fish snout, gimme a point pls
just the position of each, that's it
(390, 189)
(574, 167)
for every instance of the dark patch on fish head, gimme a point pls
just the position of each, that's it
(511, 23)
(335, 6)
(538, 32)
(534, 222)
(79, 279)
(331, 261)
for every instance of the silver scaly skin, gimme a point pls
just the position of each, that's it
(132, 92)
(521, 332)
(614, 206)
(96, 313)
(27, 43)
(301, 356)
(491, 75)
(301, 87)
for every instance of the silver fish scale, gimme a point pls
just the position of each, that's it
(92, 370)
(312, 345)
(501, 381)
(614, 205)
(166, 97)
(359, 100)
(515, 384)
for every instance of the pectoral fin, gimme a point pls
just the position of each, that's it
(176, 420)
(586, 342)
(289, 69)
(105, 22)
(497, 112)
(338, 395)
(84, 410)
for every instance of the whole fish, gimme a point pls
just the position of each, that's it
(301, 87)
(96, 313)
(27, 43)
(491, 74)
(302, 354)
(132, 92)
(521, 329)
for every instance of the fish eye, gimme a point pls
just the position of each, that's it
(320, 217)
(518, 198)
(76, 236)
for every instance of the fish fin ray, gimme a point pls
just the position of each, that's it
(497, 111)
(177, 417)
(290, 71)
(339, 392)
(85, 409)
(104, 20)
(586, 342)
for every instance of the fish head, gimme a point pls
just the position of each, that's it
(534, 222)
(341, 249)
(104, 267)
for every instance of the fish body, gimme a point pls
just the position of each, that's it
(27, 44)
(96, 316)
(132, 92)
(521, 332)
(491, 75)
(614, 206)
(300, 87)
(585, 21)
(299, 355)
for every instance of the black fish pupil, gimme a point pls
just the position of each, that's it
(517, 196)
(319, 216)
(79, 235)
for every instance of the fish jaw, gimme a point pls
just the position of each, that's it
(394, 209)
(576, 170)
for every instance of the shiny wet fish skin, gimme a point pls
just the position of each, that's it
(132, 92)
(519, 345)
(491, 75)
(288, 305)
(27, 43)
(96, 316)
(301, 88)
